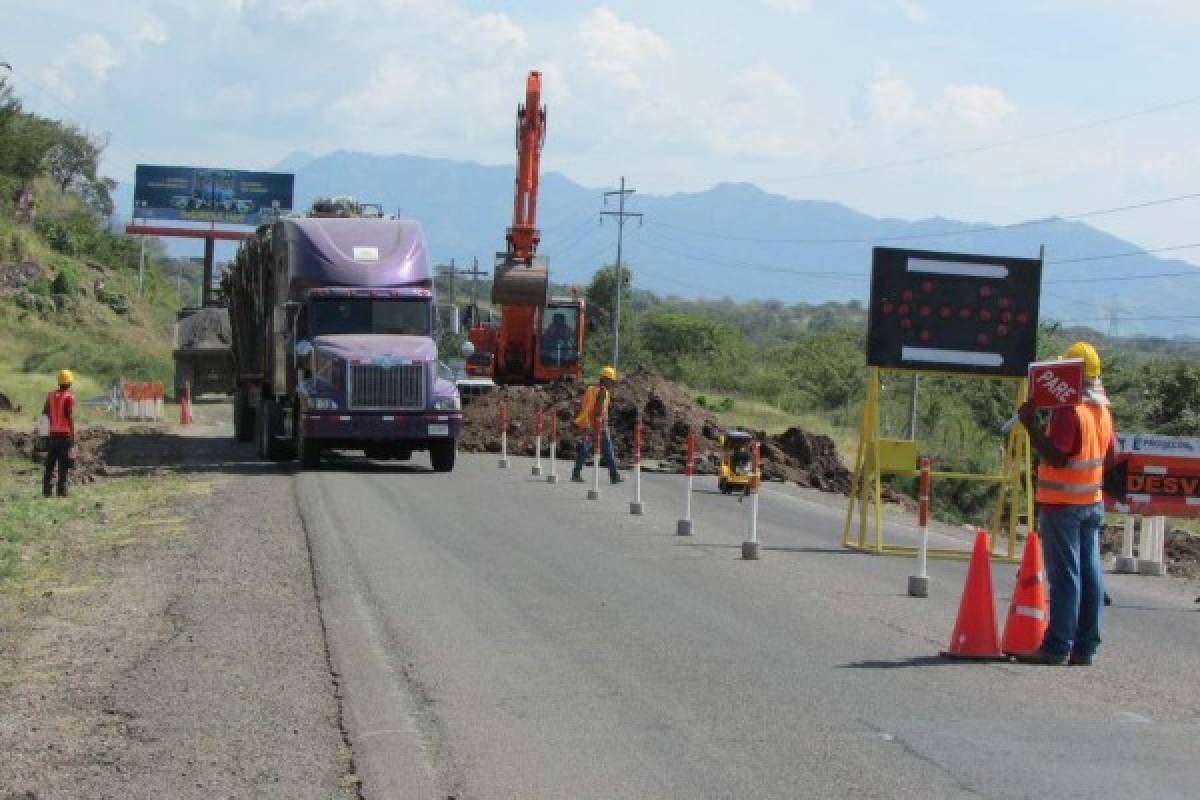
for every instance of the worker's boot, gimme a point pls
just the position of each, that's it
(576, 477)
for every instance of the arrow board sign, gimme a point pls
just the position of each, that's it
(953, 312)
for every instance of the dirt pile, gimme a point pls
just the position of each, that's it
(6, 404)
(92, 444)
(667, 414)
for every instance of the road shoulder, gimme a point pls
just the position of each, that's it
(188, 661)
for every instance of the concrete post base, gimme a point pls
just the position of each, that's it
(918, 586)
(635, 508)
(1155, 568)
(683, 527)
(593, 494)
(535, 471)
(1125, 566)
(504, 463)
(750, 551)
(551, 479)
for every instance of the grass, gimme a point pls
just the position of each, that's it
(40, 537)
(760, 416)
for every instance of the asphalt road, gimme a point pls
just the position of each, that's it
(499, 637)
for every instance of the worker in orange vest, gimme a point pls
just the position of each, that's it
(593, 411)
(60, 408)
(1075, 449)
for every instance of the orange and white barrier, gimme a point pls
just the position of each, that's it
(750, 546)
(635, 507)
(918, 585)
(503, 435)
(683, 527)
(537, 443)
(140, 401)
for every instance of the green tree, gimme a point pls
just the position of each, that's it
(671, 337)
(1172, 397)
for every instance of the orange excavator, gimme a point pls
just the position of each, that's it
(538, 338)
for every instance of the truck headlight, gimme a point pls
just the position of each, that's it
(322, 404)
(451, 403)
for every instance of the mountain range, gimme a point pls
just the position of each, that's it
(735, 240)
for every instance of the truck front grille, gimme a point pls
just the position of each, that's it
(387, 388)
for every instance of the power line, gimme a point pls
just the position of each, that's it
(1192, 273)
(1125, 254)
(935, 234)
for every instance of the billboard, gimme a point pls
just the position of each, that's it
(953, 312)
(202, 194)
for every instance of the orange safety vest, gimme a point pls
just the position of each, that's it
(587, 408)
(57, 404)
(1080, 482)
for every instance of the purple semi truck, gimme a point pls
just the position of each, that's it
(333, 342)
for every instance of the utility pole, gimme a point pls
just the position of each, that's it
(620, 214)
(453, 271)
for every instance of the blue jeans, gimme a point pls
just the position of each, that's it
(1071, 549)
(583, 451)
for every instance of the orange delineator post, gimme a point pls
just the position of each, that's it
(553, 476)
(503, 435)
(918, 585)
(635, 507)
(974, 637)
(683, 527)
(1029, 613)
(537, 442)
(750, 546)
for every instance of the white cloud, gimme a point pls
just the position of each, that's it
(494, 31)
(892, 101)
(790, 6)
(150, 30)
(978, 106)
(96, 55)
(914, 10)
(617, 49)
(91, 54)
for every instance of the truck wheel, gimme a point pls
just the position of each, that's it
(441, 455)
(269, 445)
(308, 451)
(243, 417)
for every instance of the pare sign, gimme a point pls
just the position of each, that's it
(1055, 384)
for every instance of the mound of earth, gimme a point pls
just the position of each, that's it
(92, 444)
(6, 404)
(667, 414)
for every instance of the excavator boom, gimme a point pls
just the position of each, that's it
(521, 278)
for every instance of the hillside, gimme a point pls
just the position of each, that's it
(713, 243)
(52, 316)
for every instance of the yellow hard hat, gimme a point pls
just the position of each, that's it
(1091, 359)
(65, 378)
(609, 373)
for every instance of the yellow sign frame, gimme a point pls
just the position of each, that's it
(877, 456)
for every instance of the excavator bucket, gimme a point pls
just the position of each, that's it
(520, 283)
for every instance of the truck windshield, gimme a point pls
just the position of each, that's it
(395, 316)
(560, 336)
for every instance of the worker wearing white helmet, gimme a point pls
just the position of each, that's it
(593, 412)
(1074, 448)
(60, 411)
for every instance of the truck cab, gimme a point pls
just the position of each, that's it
(348, 357)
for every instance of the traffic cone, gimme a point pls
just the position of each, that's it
(1029, 614)
(185, 405)
(974, 635)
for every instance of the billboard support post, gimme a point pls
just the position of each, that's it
(209, 256)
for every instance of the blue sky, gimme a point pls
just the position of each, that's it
(802, 97)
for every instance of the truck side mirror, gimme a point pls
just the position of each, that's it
(468, 349)
(304, 349)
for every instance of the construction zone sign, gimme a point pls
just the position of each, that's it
(1154, 476)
